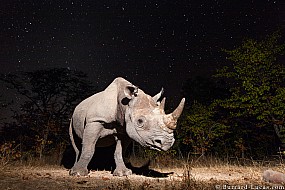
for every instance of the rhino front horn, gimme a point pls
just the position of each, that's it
(177, 112)
(170, 120)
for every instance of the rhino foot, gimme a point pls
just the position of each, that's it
(122, 172)
(78, 172)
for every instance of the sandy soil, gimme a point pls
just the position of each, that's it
(55, 177)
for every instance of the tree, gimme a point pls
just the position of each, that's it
(49, 99)
(4, 104)
(257, 83)
(200, 128)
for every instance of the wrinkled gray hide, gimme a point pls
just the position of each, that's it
(116, 115)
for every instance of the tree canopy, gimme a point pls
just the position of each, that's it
(258, 87)
(49, 99)
(246, 109)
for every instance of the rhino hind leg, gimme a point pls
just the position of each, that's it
(122, 172)
(121, 169)
(90, 137)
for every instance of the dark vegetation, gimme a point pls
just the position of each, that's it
(238, 112)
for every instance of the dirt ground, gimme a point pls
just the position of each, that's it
(56, 177)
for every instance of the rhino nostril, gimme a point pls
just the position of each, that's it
(158, 141)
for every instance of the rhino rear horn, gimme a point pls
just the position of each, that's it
(162, 104)
(157, 96)
(177, 112)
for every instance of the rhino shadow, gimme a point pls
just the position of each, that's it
(146, 171)
(103, 159)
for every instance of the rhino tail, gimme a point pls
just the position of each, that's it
(72, 141)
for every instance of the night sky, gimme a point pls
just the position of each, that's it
(150, 43)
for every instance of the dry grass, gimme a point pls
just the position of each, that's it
(202, 173)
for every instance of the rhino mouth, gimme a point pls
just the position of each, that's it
(154, 147)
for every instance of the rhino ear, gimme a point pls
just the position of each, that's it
(131, 91)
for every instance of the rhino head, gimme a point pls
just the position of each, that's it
(147, 123)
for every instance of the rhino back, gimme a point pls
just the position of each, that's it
(102, 107)
(99, 107)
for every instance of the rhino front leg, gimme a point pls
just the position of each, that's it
(121, 169)
(89, 139)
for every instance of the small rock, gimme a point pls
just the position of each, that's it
(273, 176)
(82, 182)
(105, 178)
(38, 174)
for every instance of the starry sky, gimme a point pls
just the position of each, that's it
(150, 43)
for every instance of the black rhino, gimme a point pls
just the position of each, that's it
(116, 115)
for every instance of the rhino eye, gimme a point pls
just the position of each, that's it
(140, 122)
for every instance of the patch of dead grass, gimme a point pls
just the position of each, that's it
(213, 174)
